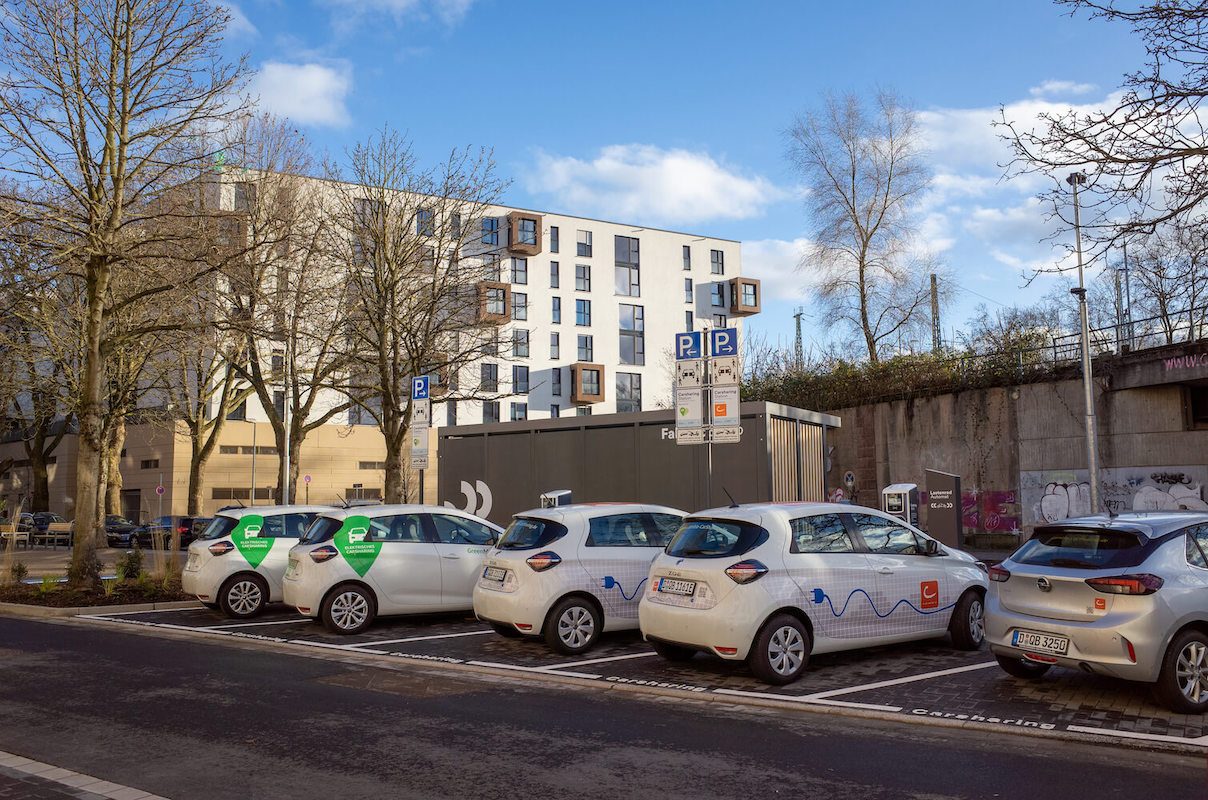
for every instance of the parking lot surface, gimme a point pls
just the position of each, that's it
(921, 680)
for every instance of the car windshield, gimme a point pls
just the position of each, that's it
(321, 530)
(526, 533)
(713, 538)
(1082, 548)
(219, 527)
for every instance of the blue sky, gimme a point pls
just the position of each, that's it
(672, 114)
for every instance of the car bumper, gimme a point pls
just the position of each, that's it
(727, 629)
(524, 608)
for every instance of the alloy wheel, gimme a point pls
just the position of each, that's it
(786, 650)
(576, 626)
(1192, 671)
(244, 597)
(349, 610)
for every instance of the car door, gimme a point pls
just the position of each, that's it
(462, 544)
(405, 573)
(616, 555)
(833, 576)
(913, 591)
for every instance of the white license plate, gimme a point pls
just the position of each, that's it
(194, 562)
(1040, 642)
(673, 586)
(494, 574)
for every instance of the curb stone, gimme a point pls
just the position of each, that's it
(29, 610)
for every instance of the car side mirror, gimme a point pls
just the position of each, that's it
(931, 548)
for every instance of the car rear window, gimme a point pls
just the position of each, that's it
(219, 527)
(321, 530)
(712, 538)
(1082, 548)
(526, 533)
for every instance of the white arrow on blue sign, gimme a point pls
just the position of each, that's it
(687, 345)
(419, 388)
(723, 342)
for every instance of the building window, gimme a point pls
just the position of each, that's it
(519, 305)
(717, 262)
(519, 270)
(490, 231)
(750, 294)
(496, 301)
(519, 412)
(279, 403)
(585, 348)
(583, 244)
(687, 257)
(520, 379)
(583, 312)
(553, 238)
(149, 463)
(556, 383)
(228, 449)
(557, 310)
(490, 377)
(553, 275)
(427, 260)
(688, 296)
(451, 412)
(526, 231)
(555, 347)
(688, 321)
(555, 411)
(629, 392)
(359, 415)
(424, 223)
(490, 411)
(719, 320)
(371, 465)
(627, 277)
(582, 277)
(717, 294)
(491, 346)
(245, 196)
(589, 380)
(239, 412)
(455, 226)
(633, 336)
(583, 411)
(520, 343)
(228, 493)
(490, 267)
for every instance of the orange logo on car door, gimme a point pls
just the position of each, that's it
(930, 593)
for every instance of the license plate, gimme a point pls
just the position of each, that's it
(293, 566)
(1040, 642)
(194, 562)
(494, 574)
(673, 586)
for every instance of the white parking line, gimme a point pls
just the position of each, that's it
(538, 670)
(419, 638)
(347, 648)
(597, 661)
(897, 681)
(1201, 741)
(810, 699)
(255, 624)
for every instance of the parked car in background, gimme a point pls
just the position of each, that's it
(773, 583)
(118, 530)
(569, 573)
(1125, 596)
(158, 532)
(41, 520)
(356, 563)
(238, 558)
(25, 522)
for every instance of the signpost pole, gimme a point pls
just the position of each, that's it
(421, 413)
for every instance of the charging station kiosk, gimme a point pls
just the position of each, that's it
(901, 500)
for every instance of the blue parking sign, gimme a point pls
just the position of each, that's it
(419, 388)
(723, 342)
(687, 345)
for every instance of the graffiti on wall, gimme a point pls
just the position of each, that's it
(1051, 495)
(989, 511)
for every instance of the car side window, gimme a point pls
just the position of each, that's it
(885, 536)
(823, 533)
(661, 528)
(617, 530)
(296, 524)
(396, 528)
(459, 530)
(1197, 546)
(272, 528)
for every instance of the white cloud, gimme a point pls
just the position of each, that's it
(239, 24)
(309, 94)
(775, 262)
(649, 184)
(1051, 87)
(449, 12)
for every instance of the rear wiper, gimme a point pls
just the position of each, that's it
(1071, 562)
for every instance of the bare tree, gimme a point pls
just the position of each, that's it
(865, 172)
(411, 239)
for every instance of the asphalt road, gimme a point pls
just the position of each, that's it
(228, 720)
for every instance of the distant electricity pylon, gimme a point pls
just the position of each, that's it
(800, 357)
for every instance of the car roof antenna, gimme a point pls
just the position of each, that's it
(343, 500)
(733, 502)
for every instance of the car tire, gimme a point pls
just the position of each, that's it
(243, 596)
(507, 631)
(781, 650)
(573, 626)
(672, 652)
(1183, 682)
(1022, 668)
(348, 608)
(968, 624)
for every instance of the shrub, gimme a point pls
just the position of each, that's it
(18, 572)
(130, 565)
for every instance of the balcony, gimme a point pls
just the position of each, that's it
(524, 234)
(494, 302)
(587, 383)
(744, 297)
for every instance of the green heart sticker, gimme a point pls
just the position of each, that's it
(350, 541)
(248, 541)
(683, 411)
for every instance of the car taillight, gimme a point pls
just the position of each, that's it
(998, 574)
(182, 529)
(746, 571)
(324, 553)
(1141, 583)
(543, 561)
(221, 548)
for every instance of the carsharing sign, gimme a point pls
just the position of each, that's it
(421, 415)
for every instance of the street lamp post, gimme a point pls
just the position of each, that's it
(1075, 180)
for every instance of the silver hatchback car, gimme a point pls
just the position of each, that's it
(1125, 596)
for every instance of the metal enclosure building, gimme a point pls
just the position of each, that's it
(498, 470)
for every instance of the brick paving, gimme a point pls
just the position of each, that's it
(24, 779)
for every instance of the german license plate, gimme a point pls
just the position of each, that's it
(494, 573)
(1040, 642)
(673, 586)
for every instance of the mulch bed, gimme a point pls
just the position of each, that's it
(62, 596)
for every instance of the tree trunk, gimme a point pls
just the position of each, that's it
(395, 490)
(113, 484)
(196, 468)
(88, 530)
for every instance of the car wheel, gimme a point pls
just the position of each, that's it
(968, 625)
(1021, 667)
(781, 651)
(243, 596)
(672, 652)
(1183, 682)
(348, 609)
(573, 626)
(508, 631)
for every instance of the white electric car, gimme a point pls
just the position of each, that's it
(236, 564)
(570, 572)
(774, 583)
(356, 563)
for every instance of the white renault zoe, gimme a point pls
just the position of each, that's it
(356, 563)
(773, 583)
(570, 572)
(236, 564)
